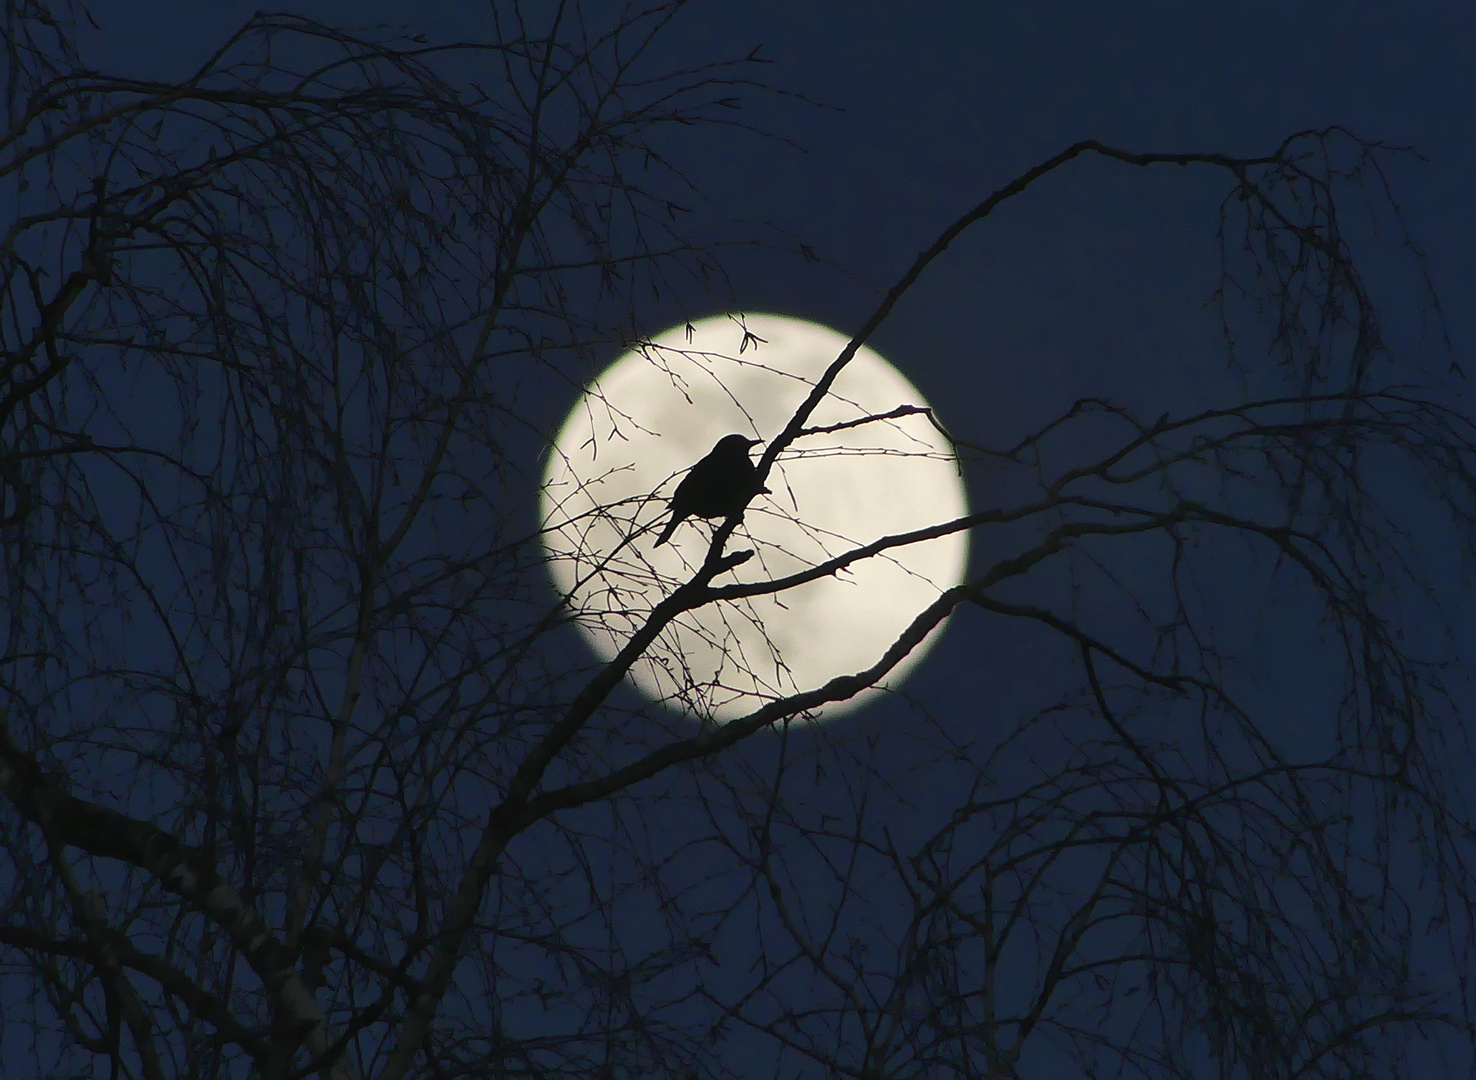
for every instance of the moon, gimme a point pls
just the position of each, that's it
(659, 409)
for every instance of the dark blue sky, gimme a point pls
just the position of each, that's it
(925, 110)
(1092, 284)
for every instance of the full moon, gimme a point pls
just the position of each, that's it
(659, 409)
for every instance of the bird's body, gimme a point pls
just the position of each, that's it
(718, 486)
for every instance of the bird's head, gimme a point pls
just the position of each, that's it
(735, 444)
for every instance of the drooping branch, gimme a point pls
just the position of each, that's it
(176, 868)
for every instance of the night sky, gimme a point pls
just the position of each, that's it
(1094, 282)
(893, 119)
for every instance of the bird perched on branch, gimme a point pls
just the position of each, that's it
(718, 486)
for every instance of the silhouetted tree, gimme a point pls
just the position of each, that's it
(303, 772)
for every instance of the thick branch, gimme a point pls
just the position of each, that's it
(184, 871)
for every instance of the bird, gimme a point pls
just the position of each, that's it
(718, 486)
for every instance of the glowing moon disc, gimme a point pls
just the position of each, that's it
(656, 411)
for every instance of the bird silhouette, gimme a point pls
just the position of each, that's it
(718, 486)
